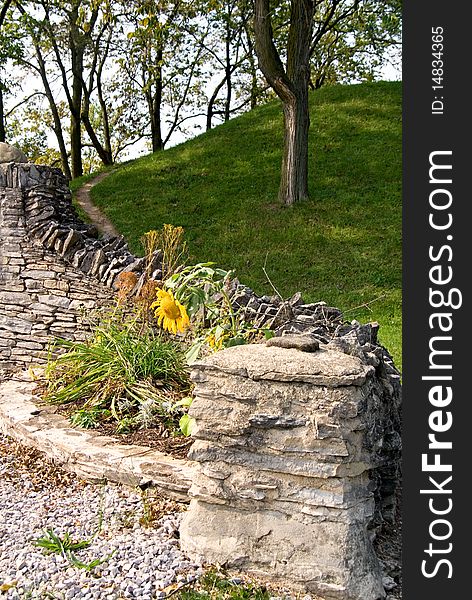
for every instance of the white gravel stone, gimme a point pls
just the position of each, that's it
(145, 560)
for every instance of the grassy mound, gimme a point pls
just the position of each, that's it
(342, 246)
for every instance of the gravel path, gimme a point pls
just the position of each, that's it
(145, 560)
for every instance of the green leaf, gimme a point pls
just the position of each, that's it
(186, 424)
(234, 341)
(185, 402)
(193, 352)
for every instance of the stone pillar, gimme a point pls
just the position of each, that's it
(289, 446)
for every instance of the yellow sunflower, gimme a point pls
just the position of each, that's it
(170, 314)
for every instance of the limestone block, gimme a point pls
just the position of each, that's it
(280, 364)
(289, 446)
(56, 301)
(84, 452)
(11, 154)
(15, 324)
(40, 308)
(82, 304)
(335, 560)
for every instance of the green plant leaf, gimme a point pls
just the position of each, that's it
(184, 402)
(234, 341)
(186, 424)
(193, 352)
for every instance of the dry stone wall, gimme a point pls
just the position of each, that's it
(299, 460)
(52, 265)
(298, 452)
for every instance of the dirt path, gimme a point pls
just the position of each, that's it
(83, 197)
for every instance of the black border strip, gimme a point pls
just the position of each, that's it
(437, 257)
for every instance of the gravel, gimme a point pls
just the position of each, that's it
(144, 561)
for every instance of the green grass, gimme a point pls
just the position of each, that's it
(216, 585)
(342, 246)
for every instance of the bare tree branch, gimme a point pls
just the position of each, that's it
(24, 101)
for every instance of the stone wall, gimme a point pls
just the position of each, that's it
(52, 265)
(299, 461)
(298, 452)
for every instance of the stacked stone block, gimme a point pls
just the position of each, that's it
(297, 467)
(41, 296)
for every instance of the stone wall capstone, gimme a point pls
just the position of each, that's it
(298, 457)
(10, 153)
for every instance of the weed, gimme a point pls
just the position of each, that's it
(170, 242)
(204, 290)
(155, 506)
(215, 584)
(53, 544)
(89, 418)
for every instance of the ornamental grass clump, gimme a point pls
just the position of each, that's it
(134, 366)
(121, 370)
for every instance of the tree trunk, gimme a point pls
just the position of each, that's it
(254, 94)
(104, 150)
(77, 63)
(211, 103)
(104, 153)
(54, 111)
(291, 85)
(156, 121)
(3, 14)
(106, 121)
(294, 177)
(76, 145)
(228, 70)
(156, 128)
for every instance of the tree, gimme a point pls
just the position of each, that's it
(3, 13)
(356, 48)
(327, 40)
(99, 49)
(33, 28)
(114, 73)
(71, 42)
(162, 62)
(291, 85)
(10, 48)
(73, 33)
(28, 124)
(226, 54)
